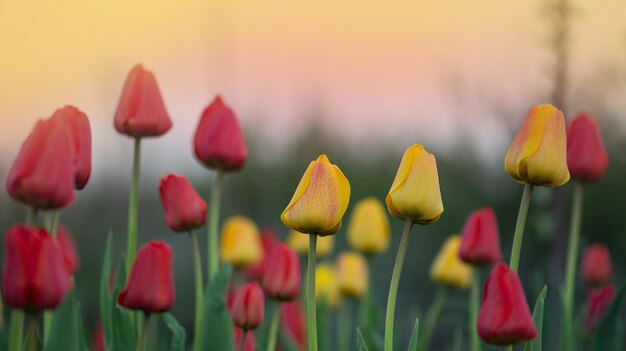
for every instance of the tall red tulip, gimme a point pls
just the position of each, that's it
(597, 303)
(596, 265)
(150, 286)
(141, 111)
(293, 322)
(80, 133)
(248, 306)
(504, 317)
(282, 277)
(269, 238)
(480, 241)
(219, 142)
(586, 156)
(184, 209)
(249, 343)
(34, 276)
(68, 249)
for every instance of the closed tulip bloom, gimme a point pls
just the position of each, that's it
(141, 111)
(68, 249)
(269, 239)
(352, 272)
(586, 156)
(368, 230)
(300, 243)
(282, 277)
(596, 265)
(504, 317)
(294, 322)
(98, 340)
(326, 285)
(320, 200)
(34, 276)
(241, 245)
(218, 142)
(538, 154)
(249, 343)
(248, 306)
(448, 268)
(597, 303)
(480, 242)
(415, 194)
(150, 286)
(184, 209)
(80, 133)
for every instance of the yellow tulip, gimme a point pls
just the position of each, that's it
(300, 243)
(448, 268)
(326, 285)
(241, 243)
(368, 230)
(353, 274)
(538, 154)
(320, 200)
(415, 194)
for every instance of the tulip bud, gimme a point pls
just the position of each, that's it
(269, 239)
(150, 286)
(538, 154)
(320, 200)
(597, 303)
(596, 265)
(282, 277)
(68, 250)
(586, 156)
(184, 209)
(368, 230)
(448, 268)
(98, 340)
(293, 322)
(415, 194)
(241, 245)
(34, 276)
(480, 242)
(300, 243)
(219, 142)
(141, 111)
(249, 343)
(248, 306)
(504, 317)
(326, 285)
(352, 274)
(80, 133)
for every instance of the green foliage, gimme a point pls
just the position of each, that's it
(536, 344)
(178, 332)
(124, 326)
(607, 335)
(360, 341)
(218, 334)
(323, 326)
(286, 343)
(105, 296)
(414, 336)
(65, 333)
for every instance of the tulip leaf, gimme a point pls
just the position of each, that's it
(124, 327)
(323, 325)
(286, 342)
(458, 340)
(218, 335)
(360, 341)
(178, 332)
(64, 331)
(535, 345)
(414, 336)
(607, 332)
(82, 340)
(105, 296)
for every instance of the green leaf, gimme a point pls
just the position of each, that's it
(64, 331)
(179, 334)
(82, 340)
(124, 327)
(360, 341)
(286, 343)
(218, 334)
(607, 331)
(414, 336)
(535, 345)
(105, 296)
(458, 339)
(323, 325)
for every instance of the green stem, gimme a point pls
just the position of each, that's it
(474, 301)
(142, 336)
(48, 315)
(214, 217)
(572, 254)
(197, 268)
(345, 326)
(431, 318)
(310, 297)
(242, 341)
(393, 287)
(31, 334)
(15, 330)
(273, 331)
(133, 208)
(519, 227)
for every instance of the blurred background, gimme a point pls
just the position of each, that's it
(357, 80)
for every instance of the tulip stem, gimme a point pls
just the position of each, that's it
(48, 315)
(393, 286)
(15, 330)
(273, 331)
(242, 341)
(141, 344)
(214, 217)
(197, 267)
(519, 227)
(572, 254)
(431, 318)
(310, 297)
(474, 301)
(133, 207)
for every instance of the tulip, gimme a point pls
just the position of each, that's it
(150, 286)
(248, 306)
(293, 322)
(448, 268)
(352, 274)
(368, 230)
(282, 277)
(596, 265)
(80, 133)
(327, 286)
(141, 111)
(480, 242)
(586, 157)
(34, 275)
(504, 317)
(68, 250)
(241, 245)
(538, 154)
(269, 239)
(597, 303)
(249, 343)
(98, 340)
(300, 243)
(218, 142)
(184, 209)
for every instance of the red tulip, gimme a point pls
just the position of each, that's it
(249, 343)
(43, 173)
(184, 209)
(141, 111)
(597, 303)
(293, 322)
(219, 142)
(34, 276)
(80, 133)
(480, 242)
(150, 286)
(269, 238)
(248, 306)
(68, 250)
(596, 265)
(504, 317)
(98, 341)
(282, 277)
(586, 156)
